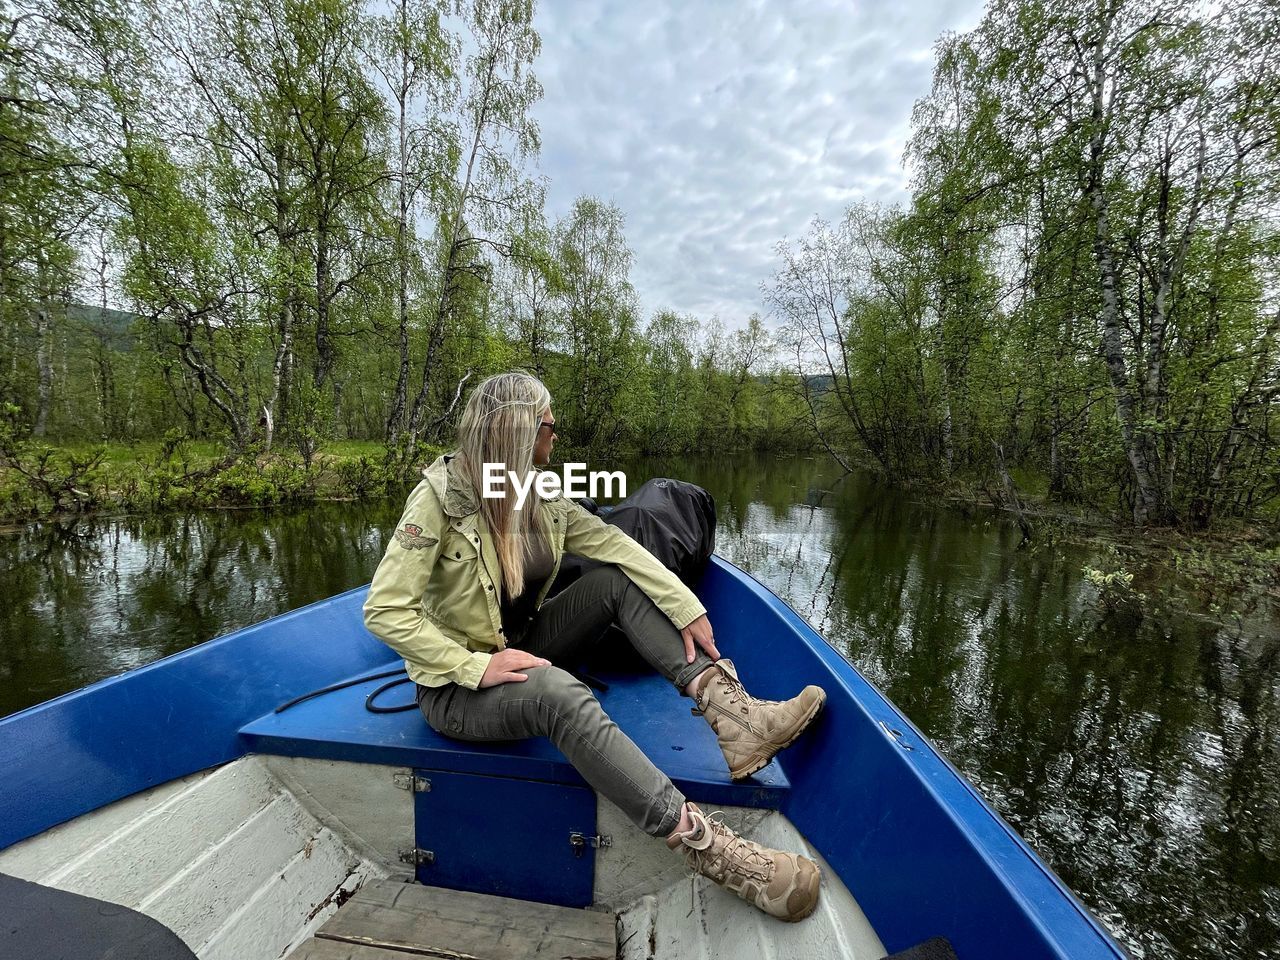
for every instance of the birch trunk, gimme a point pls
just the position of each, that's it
(1147, 506)
(395, 419)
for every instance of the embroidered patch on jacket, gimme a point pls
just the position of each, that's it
(410, 537)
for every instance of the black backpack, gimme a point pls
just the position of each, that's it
(673, 520)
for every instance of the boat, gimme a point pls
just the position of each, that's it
(326, 830)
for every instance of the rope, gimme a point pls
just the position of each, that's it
(338, 686)
(373, 707)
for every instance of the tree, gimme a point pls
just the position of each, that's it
(533, 289)
(673, 426)
(414, 55)
(44, 202)
(599, 304)
(491, 199)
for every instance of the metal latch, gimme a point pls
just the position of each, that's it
(406, 781)
(580, 842)
(417, 856)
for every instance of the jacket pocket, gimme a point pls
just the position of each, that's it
(458, 548)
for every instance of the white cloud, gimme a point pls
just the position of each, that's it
(719, 128)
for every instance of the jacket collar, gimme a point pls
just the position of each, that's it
(451, 487)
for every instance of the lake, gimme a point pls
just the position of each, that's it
(1137, 750)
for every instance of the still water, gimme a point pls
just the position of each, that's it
(1138, 754)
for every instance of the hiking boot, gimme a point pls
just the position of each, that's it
(751, 731)
(783, 885)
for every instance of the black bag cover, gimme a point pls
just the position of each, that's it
(673, 520)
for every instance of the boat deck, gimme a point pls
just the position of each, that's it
(389, 920)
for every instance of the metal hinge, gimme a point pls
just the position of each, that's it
(417, 856)
(580, 842)
(405, 781)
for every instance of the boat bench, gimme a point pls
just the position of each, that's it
(336, 726)
(537, 849)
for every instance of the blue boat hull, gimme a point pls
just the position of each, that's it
(913, 841)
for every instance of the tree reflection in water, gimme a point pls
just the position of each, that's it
(89, 598)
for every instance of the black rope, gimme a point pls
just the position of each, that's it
(590, 681)
(338, 686)
(399, 708)
(372, 707)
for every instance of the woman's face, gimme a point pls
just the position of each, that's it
(545, 440)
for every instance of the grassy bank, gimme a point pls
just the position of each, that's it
(40, 481)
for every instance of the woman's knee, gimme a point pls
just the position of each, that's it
(610, 581)
(555, 686)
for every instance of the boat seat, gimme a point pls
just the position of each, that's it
(336, 726)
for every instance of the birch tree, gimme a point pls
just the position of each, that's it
(491, 198)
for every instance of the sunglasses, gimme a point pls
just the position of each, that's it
(547, 423)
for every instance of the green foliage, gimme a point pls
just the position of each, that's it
(1232, 581)
(1075, 296)
(1114, 586)
(182, 473)
(40, 479)
(251, 483)
(1077, 289)
(258, 175)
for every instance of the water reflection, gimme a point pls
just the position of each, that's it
(89, 598)
(1138, 756)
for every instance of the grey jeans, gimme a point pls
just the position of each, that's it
(554, 703)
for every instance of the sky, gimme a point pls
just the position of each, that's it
(721, 128)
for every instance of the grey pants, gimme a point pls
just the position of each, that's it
(553, 703)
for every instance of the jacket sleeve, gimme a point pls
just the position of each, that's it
(588, 536)
(393, 610)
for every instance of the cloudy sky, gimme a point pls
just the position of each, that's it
(719, 128)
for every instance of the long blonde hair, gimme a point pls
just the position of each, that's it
(500, 425)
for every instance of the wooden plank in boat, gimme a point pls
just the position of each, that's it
(315, 949)
(436, 922)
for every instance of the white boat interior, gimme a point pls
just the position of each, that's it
(273, 856)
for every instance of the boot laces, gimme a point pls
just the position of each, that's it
(736, 855)
(738, 693)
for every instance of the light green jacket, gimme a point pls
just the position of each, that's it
(434, 598)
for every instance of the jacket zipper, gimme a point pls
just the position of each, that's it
(555, 569)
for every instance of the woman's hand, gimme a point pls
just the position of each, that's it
(505, 664)
(699, 632)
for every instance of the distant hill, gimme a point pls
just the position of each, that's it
(113, 327)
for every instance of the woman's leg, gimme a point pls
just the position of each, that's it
(750, 731)
(553, 703)
(572, 621)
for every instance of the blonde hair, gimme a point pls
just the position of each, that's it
(500, 425)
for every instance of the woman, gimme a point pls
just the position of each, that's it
(459, 595)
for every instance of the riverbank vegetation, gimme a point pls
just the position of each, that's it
(177, 474)
(1083, 289)
(266, 230)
